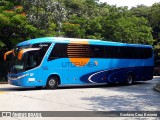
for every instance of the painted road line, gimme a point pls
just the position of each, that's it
(2, 92)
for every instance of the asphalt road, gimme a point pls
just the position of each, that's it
(138, 97)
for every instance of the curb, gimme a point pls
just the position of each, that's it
(4, 82)
(157, 87)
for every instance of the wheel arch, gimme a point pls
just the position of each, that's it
(55, 75)
(130, 78)
(131, 73)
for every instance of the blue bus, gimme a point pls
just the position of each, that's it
(54, 61)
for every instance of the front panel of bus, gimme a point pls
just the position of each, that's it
(26, 69)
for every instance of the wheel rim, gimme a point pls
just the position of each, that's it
(52, 82)
(129, 79)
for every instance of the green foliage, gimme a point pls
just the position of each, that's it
(155, 21)
(18, 19)
(133, 30)
(72, 30)
(1, 44)
(141, 11)
(155, 14)
(152, 14)
(14, 26)
(4, 20)
(21, 20)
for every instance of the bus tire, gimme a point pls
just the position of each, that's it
(129, 79)
(52, 82)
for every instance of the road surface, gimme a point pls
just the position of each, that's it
(138, 97)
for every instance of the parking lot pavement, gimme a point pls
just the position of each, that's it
(138, 97)
(1, 92)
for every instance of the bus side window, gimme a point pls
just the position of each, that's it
(97, 51)
(59, 51)
(111, 52)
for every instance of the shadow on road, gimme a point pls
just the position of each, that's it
(18, 89)
(70, 87)
(138, 97)
(100, 86)
(118, 97)
(124, 103)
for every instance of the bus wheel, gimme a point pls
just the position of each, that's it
(52, 82)
(129, 79)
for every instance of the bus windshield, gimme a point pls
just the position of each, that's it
(30, 60)
(17, 65)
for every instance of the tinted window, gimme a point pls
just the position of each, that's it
(59, 51)
(76, 51)
(143, 53)
(123, 52)
(98, 51)
(79, 51)
(43, 49)
(111, 52)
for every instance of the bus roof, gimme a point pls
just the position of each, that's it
(77, 40)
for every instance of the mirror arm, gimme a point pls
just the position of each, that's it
(7, 53)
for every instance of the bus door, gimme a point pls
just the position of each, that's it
(32, 64)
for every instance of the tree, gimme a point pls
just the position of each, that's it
(14, 26)
(43, 13)
(74, 18)
(133, 30)
(155, 20)
(141, 11)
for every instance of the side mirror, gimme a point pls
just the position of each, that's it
(8, 53)
(20, 54)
